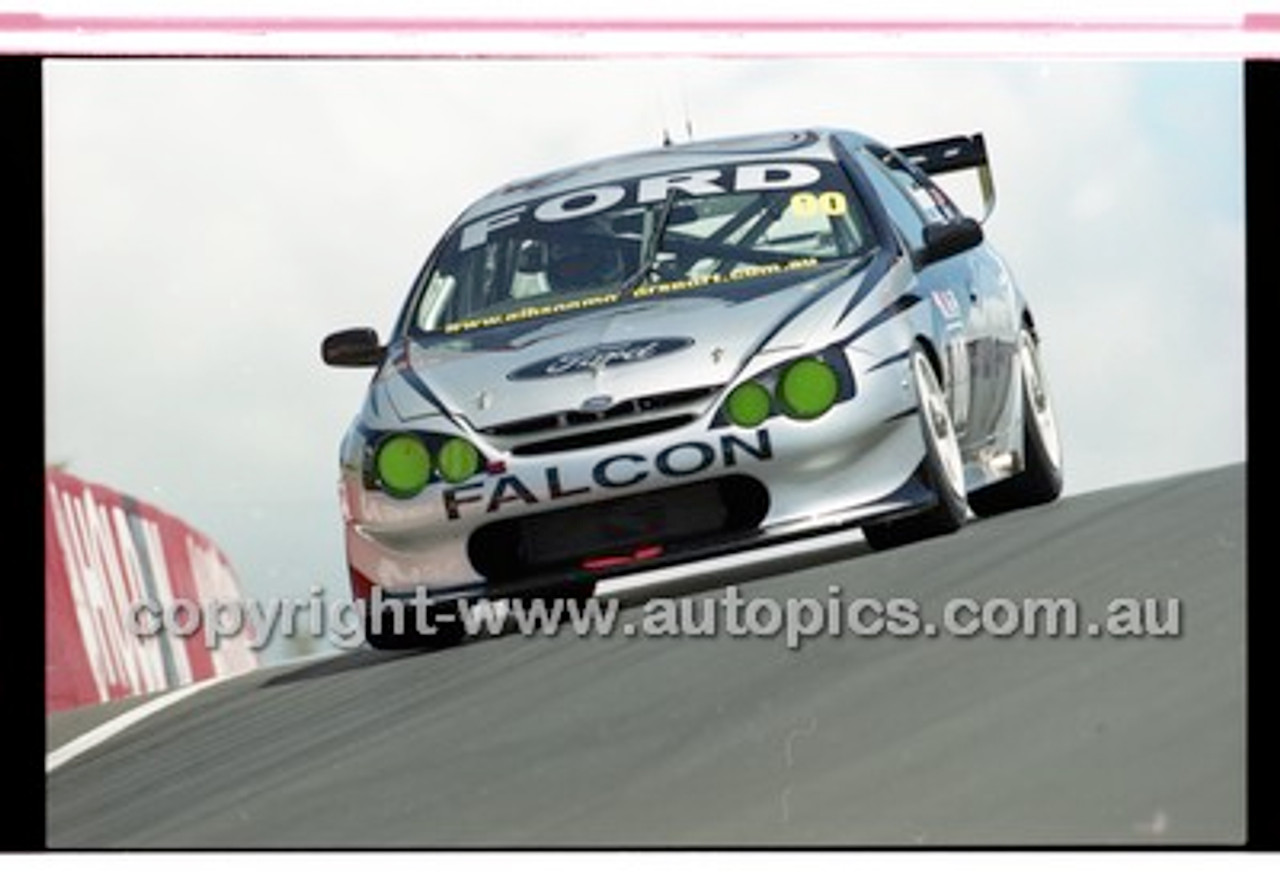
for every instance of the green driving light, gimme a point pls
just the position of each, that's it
(404, 465)
(459, 460)
(808, 388)
(748, 405)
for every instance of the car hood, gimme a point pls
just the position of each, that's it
(637, 348)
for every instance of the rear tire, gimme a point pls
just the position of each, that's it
(1040, 480)
(943, 467)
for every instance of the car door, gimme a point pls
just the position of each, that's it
(969, 321)
(988, 290)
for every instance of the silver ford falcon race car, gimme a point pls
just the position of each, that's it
(682, 352)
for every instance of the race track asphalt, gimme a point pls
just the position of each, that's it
(723, 741)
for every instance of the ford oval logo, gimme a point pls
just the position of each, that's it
(597, 403)
(598, 357)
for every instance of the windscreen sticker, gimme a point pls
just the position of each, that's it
(832, 203)
(645, 191)
(744, 273)
(531, 312)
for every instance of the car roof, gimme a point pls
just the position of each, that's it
(810, 143)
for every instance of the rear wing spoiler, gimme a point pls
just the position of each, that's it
(950, 154)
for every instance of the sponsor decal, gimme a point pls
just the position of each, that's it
(109, 557)
(534, 312)
(594, 200)
(616, 471)
(946, 302)
(595, 359)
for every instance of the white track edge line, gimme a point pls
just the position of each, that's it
(111, 728)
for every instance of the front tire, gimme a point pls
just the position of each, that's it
(943, 467)
(564, 594)
(400, 632)
(1040, 480)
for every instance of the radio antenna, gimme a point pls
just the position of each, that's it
(673, 101)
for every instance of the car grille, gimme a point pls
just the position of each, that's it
(570, 430)
(607, 436)
(673, 520)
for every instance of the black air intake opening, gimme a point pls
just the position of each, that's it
(676, 519)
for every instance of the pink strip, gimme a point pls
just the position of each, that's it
(32, 22)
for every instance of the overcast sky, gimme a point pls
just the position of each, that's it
(208, 222)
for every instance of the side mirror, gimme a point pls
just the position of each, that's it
(358, 347)
(942, 240)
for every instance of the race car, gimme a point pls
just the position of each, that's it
(691, 350)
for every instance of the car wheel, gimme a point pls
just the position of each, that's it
(943, 467)
(563, 595)
(1040, 480)
(391, 633)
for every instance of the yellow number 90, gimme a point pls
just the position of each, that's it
(832, 204)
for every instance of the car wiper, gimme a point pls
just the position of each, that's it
(649, 251)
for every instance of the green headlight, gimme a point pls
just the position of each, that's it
(808, 388)
(404, 465)
(458, 460)
(748, 405)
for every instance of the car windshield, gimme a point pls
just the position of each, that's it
(630, 240)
